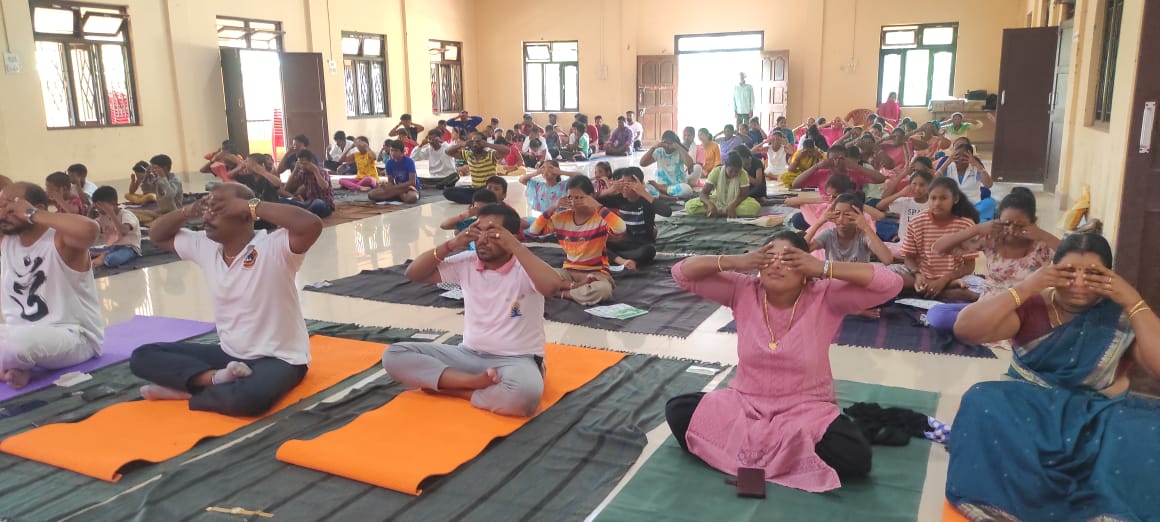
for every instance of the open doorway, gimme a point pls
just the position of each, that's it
(708, 67)
(262, 95)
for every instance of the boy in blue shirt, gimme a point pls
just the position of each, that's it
(401, 182)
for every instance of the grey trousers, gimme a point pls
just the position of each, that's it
(420, 365)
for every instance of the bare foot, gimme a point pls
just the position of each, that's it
(99, 261)
(16, 379)
(233, 371)
(364, 188)
(484, 380)
(872, 313)
(630, 265)
(157, 392)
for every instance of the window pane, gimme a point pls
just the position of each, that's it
(899, 38)
(451, 52)
(916, 78)
(364, 88)
(552, 87)
(350, 45)
(435, 88)
(891, 75)
(227, 22)
(264, 26)
(53, 83)
(938, 36)
(729, 42)
(348, 87)
(537, 52)
(116, 80)
(55, 21)
(241, 44)
(378, 95)
(534, 86)
(103, 25)
(373, 47)
(940, 80)
(564, 52)
(571, 88)
(84, 85)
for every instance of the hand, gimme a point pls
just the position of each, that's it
(864, 224)
(197, 209)
(731, 212)
(585, 202)
(800, 262)
(712, 211)
(1107, 283)
(17, 208)
(466, 237)
(498, 235)
(988, 227)
(235, 207)
(755, 260)
(932, 288)
(831, 216)
(1050, 276)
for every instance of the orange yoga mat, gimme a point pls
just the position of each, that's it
(419, 435)
(950, 514)
(155, 431)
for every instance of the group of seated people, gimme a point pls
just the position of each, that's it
(1062, 436)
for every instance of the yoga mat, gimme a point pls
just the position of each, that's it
(899, 328)
(674, 485)
(950, 514)
(151, 255)
(672, 310)
(154, 431)
(710, 236)
(120, 341)
(352, 206)
(558, 466)
(421, 435)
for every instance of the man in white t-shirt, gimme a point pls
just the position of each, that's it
(535, 149)
(52, 318)
(440, 166)
(341, 149)
(499, 365)
(264, 348)
(637, 130)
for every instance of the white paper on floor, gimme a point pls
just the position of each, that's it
(616, 311)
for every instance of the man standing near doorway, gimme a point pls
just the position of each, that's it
(742, 101)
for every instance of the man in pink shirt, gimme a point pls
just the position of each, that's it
(499, 364)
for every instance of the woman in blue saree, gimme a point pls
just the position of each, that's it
(1062, 439)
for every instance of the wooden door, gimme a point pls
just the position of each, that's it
(304, 98)
(1139, 207)
(236, 128)
(773, 88)
(1023, 118)
(1058, 105)
(656, 98)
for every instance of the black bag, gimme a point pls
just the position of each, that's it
(992, 102)
(979, 94)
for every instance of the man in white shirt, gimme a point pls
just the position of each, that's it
(264, 348)
(499, 365)
(742, 102)
(535, 149)
(637, 130)
(78, 174)
(440, 167)
(334, 156)
(52, 318)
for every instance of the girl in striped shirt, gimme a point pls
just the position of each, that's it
(940, 275)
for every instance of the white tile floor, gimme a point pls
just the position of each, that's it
(178, 290)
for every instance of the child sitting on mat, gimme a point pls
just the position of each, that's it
(461, 221)
(499, 365)
(944, 275)
(120, 231)
(630, 199)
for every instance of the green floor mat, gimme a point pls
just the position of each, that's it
(673, 485)
(710, 236)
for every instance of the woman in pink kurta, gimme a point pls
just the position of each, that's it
(779, 413)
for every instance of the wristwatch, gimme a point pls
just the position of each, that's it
(254, 208)
(29, 213)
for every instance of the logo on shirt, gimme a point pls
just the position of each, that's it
(515, 310)
(27, 285)
(250, 259)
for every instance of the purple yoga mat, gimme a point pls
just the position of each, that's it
(120, 341)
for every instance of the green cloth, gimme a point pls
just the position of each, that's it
(674, 485)
(710, 236)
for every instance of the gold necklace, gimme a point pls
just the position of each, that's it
(1054, 310)
(769, 326)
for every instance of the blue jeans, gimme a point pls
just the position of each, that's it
(116, 255)
(317, 207)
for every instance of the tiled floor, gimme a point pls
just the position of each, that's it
(178, 290)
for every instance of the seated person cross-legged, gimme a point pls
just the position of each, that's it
(726, 193)
(629, 198)
(582, 226)
(499, 365)
(52, 316)
(264, 348)
(779, 417)
(402, 183)
(939, 276)
(1060, 440)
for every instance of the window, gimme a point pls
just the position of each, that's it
(917, 62)
(249, 34)
(446, 75)
(85, 67)
(551, 77)
(364, 68)
(1113, 12)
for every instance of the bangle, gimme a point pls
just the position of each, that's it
(826, 268)
(435, 253)
(719, 269)
(832, 270)
(1138, 310)
(1139, 305)
(1018, 300)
